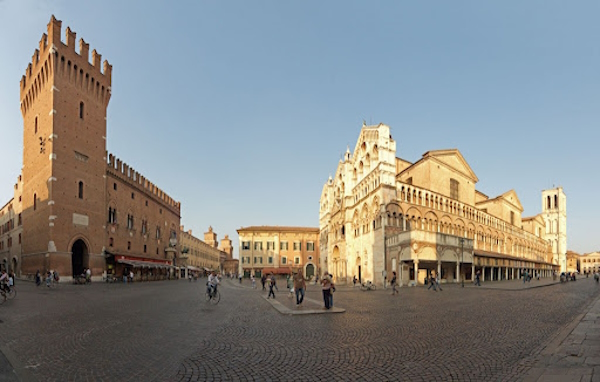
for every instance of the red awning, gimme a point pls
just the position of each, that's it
(277, 271)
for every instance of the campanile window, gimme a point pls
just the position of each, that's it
(81, 106)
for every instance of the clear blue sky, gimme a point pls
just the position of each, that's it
(241, 109)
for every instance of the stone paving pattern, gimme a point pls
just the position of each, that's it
(164, 331)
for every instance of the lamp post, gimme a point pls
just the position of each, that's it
(462, 253)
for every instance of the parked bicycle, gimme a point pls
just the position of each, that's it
(367, 286)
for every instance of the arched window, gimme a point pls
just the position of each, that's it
(80, 190)
(555, 201)
(548, 203)
(81, 110)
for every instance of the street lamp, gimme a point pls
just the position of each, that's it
(462, 253)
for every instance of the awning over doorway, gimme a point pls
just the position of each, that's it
(143, 264)
(192, 268)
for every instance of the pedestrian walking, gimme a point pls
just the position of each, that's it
(432, 281)
(394, 283)
(299, 287)
(326, 287)
(38, 278)
(240, 278)
(271, 286)
(354, 280)
(477, 278)
(437, 281)
(254, 282)
(263, 280)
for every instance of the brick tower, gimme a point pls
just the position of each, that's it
(64, 98)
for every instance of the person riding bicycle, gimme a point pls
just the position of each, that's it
(212, 283)
(4, 281)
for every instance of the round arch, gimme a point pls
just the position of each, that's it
(80, 257)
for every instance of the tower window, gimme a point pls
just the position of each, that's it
(115, 186)
(128, 245)
(36, 125)
(80, 190)
(81, 107)
(144, 248)
(111, 242)
(132, 195)
(34, 201)
(112, 215)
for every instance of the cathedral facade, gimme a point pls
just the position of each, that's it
(381, 214)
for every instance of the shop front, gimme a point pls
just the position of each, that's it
(143, 269)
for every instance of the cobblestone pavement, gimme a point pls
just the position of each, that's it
(164, 331)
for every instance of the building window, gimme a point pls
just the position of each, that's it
(284, 260)
(270, 245)
(310, 246)
(245, 245)
(34, 201)
(20, 221)
(296, 260)
(144, 227)
(112, 215)
(132, 195)
(111, 242)
(9, 242)
(297, 246)
(128, 245)
(157, 233)
(146, 203)
(310, 258)
(283, 246)
(243, 260)
(19, 238)
(80, 190)
(453, 189)
(81, 110)
(129, 221)
(160, 211)
(270, 259)
(36, 125)
(512, 218)
(144, 248)
(115, 186)
(258, 245)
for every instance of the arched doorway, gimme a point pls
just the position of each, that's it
(310, 271)
(79, 257)
(14, 265)
(335, 263)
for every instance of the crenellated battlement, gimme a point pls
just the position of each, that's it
(54, 57)
(121, 170)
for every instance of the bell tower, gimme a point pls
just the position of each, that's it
(64, 97)
(554, 211)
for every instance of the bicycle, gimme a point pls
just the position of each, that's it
(12, 292)
(212, 296)
(367, 286)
